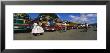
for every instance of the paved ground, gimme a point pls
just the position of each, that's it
(69, 35)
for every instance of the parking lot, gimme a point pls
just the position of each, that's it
(73, 34)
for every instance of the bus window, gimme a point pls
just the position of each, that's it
(20, 21)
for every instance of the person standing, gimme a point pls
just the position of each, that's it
(37, 29)
(85, 27)
(64, 25)
(40, 24)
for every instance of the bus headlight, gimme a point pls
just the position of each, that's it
(52, 29)
(47, 29)
(16, 27)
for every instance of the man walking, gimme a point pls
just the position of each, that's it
(85, 27)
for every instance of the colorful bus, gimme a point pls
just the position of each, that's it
(21, 24)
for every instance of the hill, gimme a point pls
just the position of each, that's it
(94, 24)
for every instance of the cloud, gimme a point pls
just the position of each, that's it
(80, 19)
(88, 18)
(91, 15)
(83, 19)
(74, 18)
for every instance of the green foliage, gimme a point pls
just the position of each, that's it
(21, 15)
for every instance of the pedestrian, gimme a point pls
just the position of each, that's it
(65, 27)
(85, 27)
(37, 29)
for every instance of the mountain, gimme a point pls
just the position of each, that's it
(94, 24)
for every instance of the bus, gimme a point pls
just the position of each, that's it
(21, 24)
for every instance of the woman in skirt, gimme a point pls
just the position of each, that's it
(37, 29)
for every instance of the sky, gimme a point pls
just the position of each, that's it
(89, 18)
(33, 15)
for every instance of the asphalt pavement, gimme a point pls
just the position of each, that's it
(73, 34)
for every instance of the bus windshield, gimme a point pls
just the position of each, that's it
(19, 21)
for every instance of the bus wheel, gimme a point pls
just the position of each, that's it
(41, 33)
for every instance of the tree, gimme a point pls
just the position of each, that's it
(21, 15)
